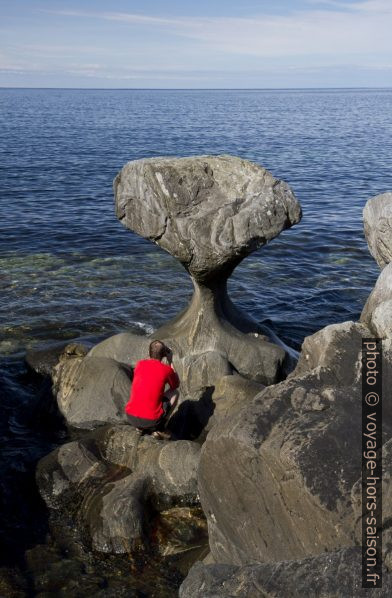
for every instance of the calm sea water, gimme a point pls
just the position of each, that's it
(69, 269)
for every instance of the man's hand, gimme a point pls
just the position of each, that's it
(169, 355)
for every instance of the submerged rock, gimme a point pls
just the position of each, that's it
(330, 575)
(377, 216)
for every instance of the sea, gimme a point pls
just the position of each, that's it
(70, 270)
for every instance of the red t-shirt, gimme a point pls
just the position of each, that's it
(149, 379)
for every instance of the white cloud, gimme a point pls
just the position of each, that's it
(359, 28)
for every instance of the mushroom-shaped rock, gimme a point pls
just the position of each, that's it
(377, 217)
(210, 212)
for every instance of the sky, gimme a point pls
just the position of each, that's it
(202, 44)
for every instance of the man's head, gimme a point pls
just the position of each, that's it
(157, 350)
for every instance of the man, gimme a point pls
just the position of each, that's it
(149, 404)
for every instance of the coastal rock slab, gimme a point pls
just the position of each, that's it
(331, 575)
(377, 313)
(377, 216)
(207, 211)
(277, 479)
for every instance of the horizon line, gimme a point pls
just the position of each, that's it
(195, 88)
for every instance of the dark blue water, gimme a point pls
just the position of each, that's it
(68, 268)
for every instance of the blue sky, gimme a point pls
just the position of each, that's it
(214, 44)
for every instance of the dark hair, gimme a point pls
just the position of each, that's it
(157, 350)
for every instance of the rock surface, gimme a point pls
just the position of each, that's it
(277, 479)
(113, 482)
(91, 390)
(207, 211)
(377, 216)
(331, 575)
(210, 212)
(377, 313)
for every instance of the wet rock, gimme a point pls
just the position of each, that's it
(43, 361)
(65, 475)
(113, 482)
(277, 479)
(91, 391)
(114, 515)
(377, 313)
(331, 575)
(377, 216)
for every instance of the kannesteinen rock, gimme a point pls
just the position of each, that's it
(377, 216)
(209, 212)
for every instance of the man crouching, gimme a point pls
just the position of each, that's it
(149, 405)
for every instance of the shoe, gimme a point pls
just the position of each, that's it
(139, 431)
(161, 435)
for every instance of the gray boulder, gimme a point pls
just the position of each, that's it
(335, 349)
(377, 216)
(126, 348)
(377, 313)
(330, 575)
(277, 479)
(207, 211)
(114, 515)
(210, 212)
(113, 482)
(91, 391)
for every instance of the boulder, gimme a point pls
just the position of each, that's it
(230, 395)
(334, 348)
(67, 473)
(91, 391)
(43, 361)
(377, 216)
(126, 348)
(114, 515)
(112, 483)
(330, 575)
(277, 479)
(377, 313)
(210, 212)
